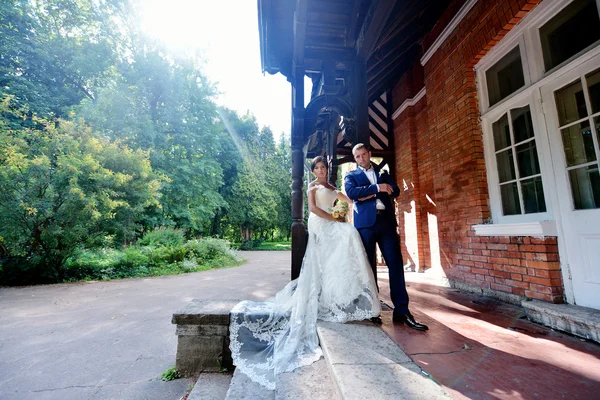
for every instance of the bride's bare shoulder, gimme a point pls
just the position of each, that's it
(313, 185)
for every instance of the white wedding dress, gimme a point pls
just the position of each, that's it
(335, 284)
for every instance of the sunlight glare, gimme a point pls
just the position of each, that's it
(225, 35)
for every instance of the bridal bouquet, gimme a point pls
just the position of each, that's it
(340, 210)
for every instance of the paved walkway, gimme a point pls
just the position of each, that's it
(112, 340)
(482, 348)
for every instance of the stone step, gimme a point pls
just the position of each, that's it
(243, 388)
(366, 364)
(210, 386)
(310, 382)
(576, 320)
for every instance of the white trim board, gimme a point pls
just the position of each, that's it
(409, 103)
(538, 229)
(460, 15)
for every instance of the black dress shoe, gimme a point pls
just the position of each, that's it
(409, 320)
(376, 320)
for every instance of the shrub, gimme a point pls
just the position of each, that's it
(140, 261)
(163, 237)
(61, 188)
(208, 249)
(251, 244)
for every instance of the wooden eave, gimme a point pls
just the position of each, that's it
(387, 34)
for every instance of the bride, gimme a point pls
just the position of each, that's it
(335, 284)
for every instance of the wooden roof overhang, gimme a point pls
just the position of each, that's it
(331, 39)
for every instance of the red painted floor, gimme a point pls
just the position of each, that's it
(481, 348)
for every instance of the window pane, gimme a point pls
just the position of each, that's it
(527, 159)
(570, 103)
(585, 185)
(510, 199)
(573, 29)
(522, 126)
(578, 144)
(593, 81)
(506, 166)
(501, 133)
(533, 195)
(505, 77)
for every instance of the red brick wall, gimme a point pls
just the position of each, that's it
(407, 175)
(409, 85)
(439, 146)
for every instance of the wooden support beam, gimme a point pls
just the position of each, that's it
(382, 79)
(412, 11)
(321, 52)
(299, 232)
(350, 37)
(391, 133)
(361, 104)
(375, 20)
(391, 55)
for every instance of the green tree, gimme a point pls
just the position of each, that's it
(63, 187)
(54, 53)
(283, 186)
(252, 205)
(164, 105)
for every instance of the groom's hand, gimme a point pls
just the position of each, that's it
(384, 187)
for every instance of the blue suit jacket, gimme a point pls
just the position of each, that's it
(357, 185)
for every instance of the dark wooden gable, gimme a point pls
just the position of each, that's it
(336, 34)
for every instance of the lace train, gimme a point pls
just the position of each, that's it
(336, 284)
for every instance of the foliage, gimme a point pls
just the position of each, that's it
(277, 246)
(170, 374)
(54, 52)
(256, 182)
(251, 244)
(261, 245)
(64, 187)
(105, 134)
(163, 237)
(150, 260)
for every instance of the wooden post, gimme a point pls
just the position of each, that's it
(361, 103)
(299, 232)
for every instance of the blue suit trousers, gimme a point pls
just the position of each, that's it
(383, 233)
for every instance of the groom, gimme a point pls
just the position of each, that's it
(375, 220)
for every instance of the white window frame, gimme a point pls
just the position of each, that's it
(522, 99)
(526, 36)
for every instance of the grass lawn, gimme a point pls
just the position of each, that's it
(275, 246)
(269, 246)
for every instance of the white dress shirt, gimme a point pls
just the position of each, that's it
(373, 179)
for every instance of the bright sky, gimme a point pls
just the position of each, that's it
(226, 32)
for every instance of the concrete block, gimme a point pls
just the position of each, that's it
(204, 312)
(203, 336)
(198, 354)
(576, 320)
(202, 330)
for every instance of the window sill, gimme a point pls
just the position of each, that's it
(543, 228)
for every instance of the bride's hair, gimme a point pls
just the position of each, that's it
(317, 160)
